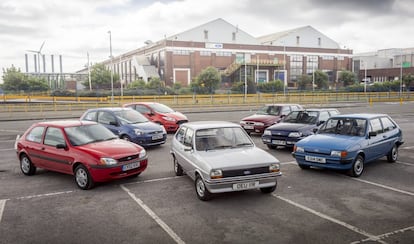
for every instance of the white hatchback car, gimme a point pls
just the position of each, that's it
(221, 157)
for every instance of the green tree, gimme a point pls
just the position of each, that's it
(321, 79)
(304, 82)
(14, 80)
(408, 81)
(209, 79)
(137, 84)
(101, 78)
(347, 78)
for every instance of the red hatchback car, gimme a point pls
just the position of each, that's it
(160, 113)
(84, 149)
(266, 116)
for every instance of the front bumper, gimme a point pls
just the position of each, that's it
(103, 173)
(226, 184)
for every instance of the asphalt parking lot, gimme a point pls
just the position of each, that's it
(309, 206)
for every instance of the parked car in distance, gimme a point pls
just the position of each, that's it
(221, 157)
(296, 126)
(129, 125)
(348, 142)
(87, 150)
(160, 113)
(266, 116)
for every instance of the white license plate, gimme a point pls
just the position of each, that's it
(315, 159)
(248, 127)
(279, 142)
(157, 136)
(245, 185)
(130, 166)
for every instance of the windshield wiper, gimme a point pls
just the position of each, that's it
(243, 144)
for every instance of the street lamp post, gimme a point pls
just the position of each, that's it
(401, 68)
(112, 75)
(284, 70)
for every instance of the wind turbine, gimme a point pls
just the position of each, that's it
(39, 53)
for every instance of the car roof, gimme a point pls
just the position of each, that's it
(140, 103)
(209, 124)
(282, 104)
(65, 123)
(359, 116)
(317, 109)
(109, 109)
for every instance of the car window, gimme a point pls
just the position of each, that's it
(387, 124)
(85, 134)
(91, 116)
(54, 136)
(324, 116)
(375, 126)
(161, 108)
(130, 116)
(221, 138)
(106, 118)
(188, 138)
(286, 110)
(344, 126)
(35, 135)
(142, 109)
(180, 134)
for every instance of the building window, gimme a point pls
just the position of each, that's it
(296, 65)
(327, 57)
(223, 54)
(205, 53)
(297, 40)
(206, 34)
(181, 52)
(319, 41)
(311, 64)
(234, 36)
(340, 58)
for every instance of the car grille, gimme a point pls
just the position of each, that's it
(243, 172)
(155, 132)
(128, 158)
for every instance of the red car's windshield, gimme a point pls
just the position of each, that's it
(85, 134)
(161, 108)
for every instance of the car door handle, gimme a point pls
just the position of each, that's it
(42, 148)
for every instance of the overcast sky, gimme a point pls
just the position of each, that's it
(73, 28)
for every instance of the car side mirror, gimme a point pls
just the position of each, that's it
(372, 134)
(61, 146)
(321, 122)
(113, 123)
(315, 130)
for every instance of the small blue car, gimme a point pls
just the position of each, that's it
(347, 142)
(129, 125)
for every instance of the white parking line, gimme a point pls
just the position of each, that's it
(411, 147)
(2, 205)
(151, 213)
(6, 149)
(386, 235)
(384, 186)
(324, 216)
(290, 162)
(45, 195)
(398, 162)
(152, 180)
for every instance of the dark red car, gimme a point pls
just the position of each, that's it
(160, 113)
(87, 150)
(266, 116)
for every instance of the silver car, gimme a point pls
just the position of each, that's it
(220, 157)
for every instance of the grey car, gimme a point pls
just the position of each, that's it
(221, 157)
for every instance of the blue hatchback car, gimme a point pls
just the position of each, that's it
(347, 142)
(129, 125)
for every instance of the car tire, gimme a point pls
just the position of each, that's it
(26, 165)
(201, 189)
(271, 146)
(177, 167)
(126, 138)
(357, 167)
(267, 190)
(392, 156)
(82, 178)
(302, 166)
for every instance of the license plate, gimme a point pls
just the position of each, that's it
(279, 142)
(130, 166)
(248, 127)
(157, 136)
(315, 159)
(245, 185)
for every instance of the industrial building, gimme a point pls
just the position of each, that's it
(237, 55)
